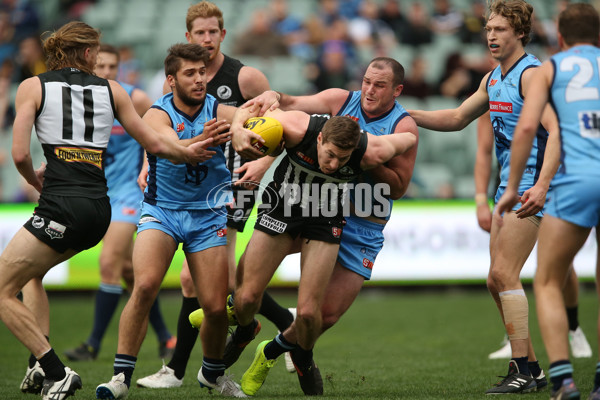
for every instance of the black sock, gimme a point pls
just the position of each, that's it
(302, 358)
(572, 313)
(244, 334)
(281, 317)
(186, 337)
(522, 364)
(212, 369)
(32, 360)
(277, 347)
(534, 368)
(53, 368)
(559, 371)
(126, 364)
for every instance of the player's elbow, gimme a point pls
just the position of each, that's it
(20, 157)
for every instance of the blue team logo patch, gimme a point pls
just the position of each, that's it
(589, 124)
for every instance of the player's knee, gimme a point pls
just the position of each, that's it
(308, 315)
(187, 286)
(247, 299)
(145, 290)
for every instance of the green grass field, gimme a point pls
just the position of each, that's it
(390, 345)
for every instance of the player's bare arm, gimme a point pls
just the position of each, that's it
(141, 101)
(329, 101)
(533, 108)
(455, 119)
(533, 199)
(252, 82)
(483, 170)
(397, 172)
(27, 101)
(381, 149)
(155, 143)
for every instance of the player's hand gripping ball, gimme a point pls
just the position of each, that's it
(269, 129)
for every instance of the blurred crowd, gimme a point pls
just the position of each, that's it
(334, 41)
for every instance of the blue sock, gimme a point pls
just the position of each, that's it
(158, 323)
(559, 371)
(212, 369)
(277, 347)
(125, 364)
(107, 300)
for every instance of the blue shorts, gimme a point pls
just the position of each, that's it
(361, 241)
(502, 189)
(126, 206)
(197, 229)
(575, 199)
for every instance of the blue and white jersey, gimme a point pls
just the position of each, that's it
(385, 124)
(506, 101)
(187, 186)
(575, 96)
(124, 158)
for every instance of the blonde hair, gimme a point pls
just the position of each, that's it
(204, 9)
(518, 13)
(66, 46)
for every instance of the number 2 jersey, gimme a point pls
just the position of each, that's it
(73, 125)
(186, 186)
(575, 97)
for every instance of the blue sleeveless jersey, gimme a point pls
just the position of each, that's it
(185, 186)
(124, 158)
(383, 125)
(575, 96)
(506, 101)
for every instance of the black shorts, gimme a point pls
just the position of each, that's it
(243, 204)
(328, 230)
(64, 222)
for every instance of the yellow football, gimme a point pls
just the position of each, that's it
(269, 129)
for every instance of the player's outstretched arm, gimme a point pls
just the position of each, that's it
(455, 119)
(329, 101)
(161, 145)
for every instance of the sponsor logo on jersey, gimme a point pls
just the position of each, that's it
(272, 224)
(589, 124)
(336, 231)
(305, 158)
(38, 222)
(222, 232)
(224, 92)
(180, 127)
(78, 154)
(128, 211)
(352, 117)
(367, 263)
(501, 106)
(55, 230)
(493, 82)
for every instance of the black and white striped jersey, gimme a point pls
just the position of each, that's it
(73, 124)
(299, 180)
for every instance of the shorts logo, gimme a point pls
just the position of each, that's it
(38, 222)
(367, 263)
(55, 230)
(147, 218)
(77, 154)
(224, 92)
(180, 127)
(337, 232)
(222, 232)
(272, 224)
(238, 215)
